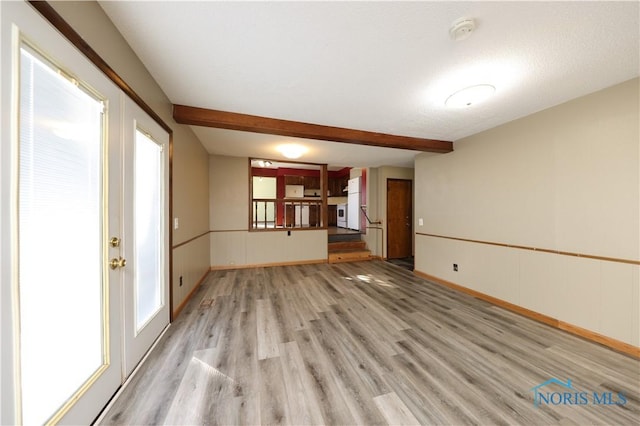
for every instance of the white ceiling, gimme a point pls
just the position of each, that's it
(378, 66)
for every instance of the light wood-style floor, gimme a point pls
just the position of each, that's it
(363, 343)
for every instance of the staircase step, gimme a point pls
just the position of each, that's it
(349, 255)
(355, 236)
(347, 245)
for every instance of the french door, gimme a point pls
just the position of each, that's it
(66, 212)
(84, 228)
(146, 209)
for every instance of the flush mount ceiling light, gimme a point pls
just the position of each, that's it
(292, 150)
(470, 96)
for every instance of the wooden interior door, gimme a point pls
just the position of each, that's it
(399, 218)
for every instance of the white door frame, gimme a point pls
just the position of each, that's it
(137, 342)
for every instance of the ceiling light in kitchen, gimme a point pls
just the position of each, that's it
(292, 150)
(470, 96)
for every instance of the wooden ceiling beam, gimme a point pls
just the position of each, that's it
(252, 123)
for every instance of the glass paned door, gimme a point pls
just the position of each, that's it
(146, 239)
(83, 226)
(62, 220)
(149, 228)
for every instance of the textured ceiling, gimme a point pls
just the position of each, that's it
(378, 66)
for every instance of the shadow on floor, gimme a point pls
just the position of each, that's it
(405, 262)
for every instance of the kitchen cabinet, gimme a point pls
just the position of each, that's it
(336, 185)
(332, 187)
(294, 180)
(311, 182)
(314, 216)
(289, 215)
(333, 215)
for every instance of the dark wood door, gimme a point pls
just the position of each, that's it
(399, 218)
(290, 215)
(314, 215)
(333, 215)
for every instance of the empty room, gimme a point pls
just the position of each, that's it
(320, 212)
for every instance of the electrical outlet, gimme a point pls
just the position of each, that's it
(455, 267)
(180, 280)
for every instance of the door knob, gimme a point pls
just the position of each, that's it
(117, 263)
(114, 242)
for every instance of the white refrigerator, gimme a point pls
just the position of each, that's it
(353, 204)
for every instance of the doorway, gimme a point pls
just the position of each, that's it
(84, 228)
(399, 218)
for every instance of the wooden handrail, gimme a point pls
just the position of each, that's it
(364, 210)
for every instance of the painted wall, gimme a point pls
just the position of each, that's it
(376, 236)
(374, 232)
(232, 245)
(564, 179)
(190, 159)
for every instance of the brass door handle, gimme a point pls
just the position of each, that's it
(117, 263)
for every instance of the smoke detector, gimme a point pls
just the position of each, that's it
(462, 28)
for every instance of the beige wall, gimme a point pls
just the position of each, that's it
(190, 160)
(376, 236)
(374, 232)
(232, 245)
(564, 179)
(228, 193)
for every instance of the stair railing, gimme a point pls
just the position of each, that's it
(380, 228)
(364, 210)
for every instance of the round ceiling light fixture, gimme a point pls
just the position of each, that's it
(470, 96)
(462, 28)
(292, 150)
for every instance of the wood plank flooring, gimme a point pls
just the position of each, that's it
(364, 343)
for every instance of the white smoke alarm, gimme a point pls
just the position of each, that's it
(462, 28)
